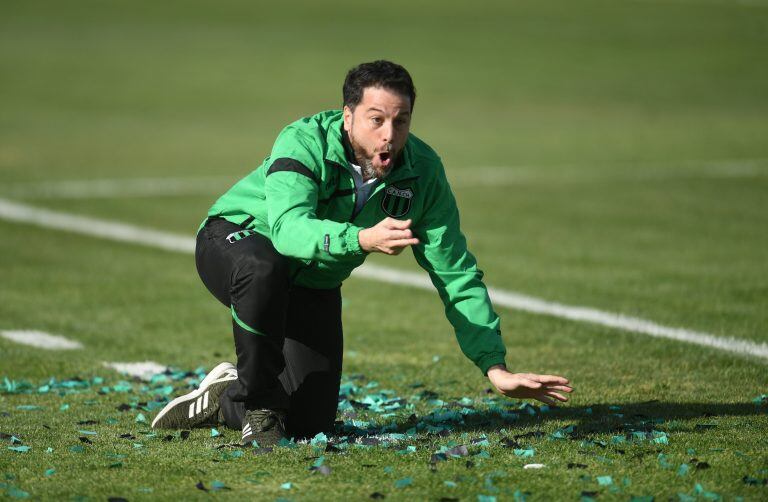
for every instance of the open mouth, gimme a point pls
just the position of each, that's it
(385, 156)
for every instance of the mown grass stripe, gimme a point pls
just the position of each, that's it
(23, 213)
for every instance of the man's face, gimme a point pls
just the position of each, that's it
(378, 129)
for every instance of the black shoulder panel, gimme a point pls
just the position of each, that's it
(293, 165)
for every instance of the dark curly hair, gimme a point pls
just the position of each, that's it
(379, 73)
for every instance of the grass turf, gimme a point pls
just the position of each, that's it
(637, 129)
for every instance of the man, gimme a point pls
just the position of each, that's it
(276, 247)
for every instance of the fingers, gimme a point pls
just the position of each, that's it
(557, 396)
(531, 384)
(397, 224)
(400, 234)
(548, 380)
(401, 243)
(563, 388)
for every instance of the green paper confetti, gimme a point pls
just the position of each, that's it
(16, 493)
(520, 496)
(604, 480)
(20, 449)
(140, 418)
(218, 485)
(50, 472)
(77, 449)
(524, 452)
(215, 432)
(64, 407)
(286, 486)
(402, 483)
(683, 470)
(320, 439)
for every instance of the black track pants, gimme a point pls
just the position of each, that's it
(288, 339)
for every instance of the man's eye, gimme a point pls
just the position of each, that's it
(377, 120)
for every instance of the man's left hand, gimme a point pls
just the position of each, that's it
(545, 388)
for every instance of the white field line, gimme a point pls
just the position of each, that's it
(22, 213)
(119, 188)
(41, 340)
(480, 176)
(144, 370)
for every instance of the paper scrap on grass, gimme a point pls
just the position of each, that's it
(402, 483)
(604, 480)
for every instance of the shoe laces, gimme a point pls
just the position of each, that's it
(264, 420)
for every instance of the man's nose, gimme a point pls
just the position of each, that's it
(386, 132)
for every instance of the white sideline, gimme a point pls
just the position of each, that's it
(125, 187)
(41, 340)
(23, 213)
(476, 176)
(144, 370)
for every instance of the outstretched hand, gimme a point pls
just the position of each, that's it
(545, 388)
(389, 236)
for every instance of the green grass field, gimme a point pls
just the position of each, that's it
(607, 154)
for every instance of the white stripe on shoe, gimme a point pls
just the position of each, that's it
(205, 400)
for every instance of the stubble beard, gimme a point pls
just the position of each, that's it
(365, 163)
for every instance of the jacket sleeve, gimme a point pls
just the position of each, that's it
(291, 190)
(443, 253)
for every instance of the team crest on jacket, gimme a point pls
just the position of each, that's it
(397, 201)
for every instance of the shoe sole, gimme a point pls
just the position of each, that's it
(193, 408)
(216, 372)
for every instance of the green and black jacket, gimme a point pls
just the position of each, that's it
(302, 198)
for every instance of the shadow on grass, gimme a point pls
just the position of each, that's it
(603, 418)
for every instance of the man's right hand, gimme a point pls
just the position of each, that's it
(389, 236)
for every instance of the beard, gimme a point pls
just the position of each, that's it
(365, 161)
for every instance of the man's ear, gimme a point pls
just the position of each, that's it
(347, 118)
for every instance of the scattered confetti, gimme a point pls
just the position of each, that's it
(402, 483)
(604, 480)
(533, 466)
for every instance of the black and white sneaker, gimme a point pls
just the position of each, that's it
(199, 407)
(266, 427)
